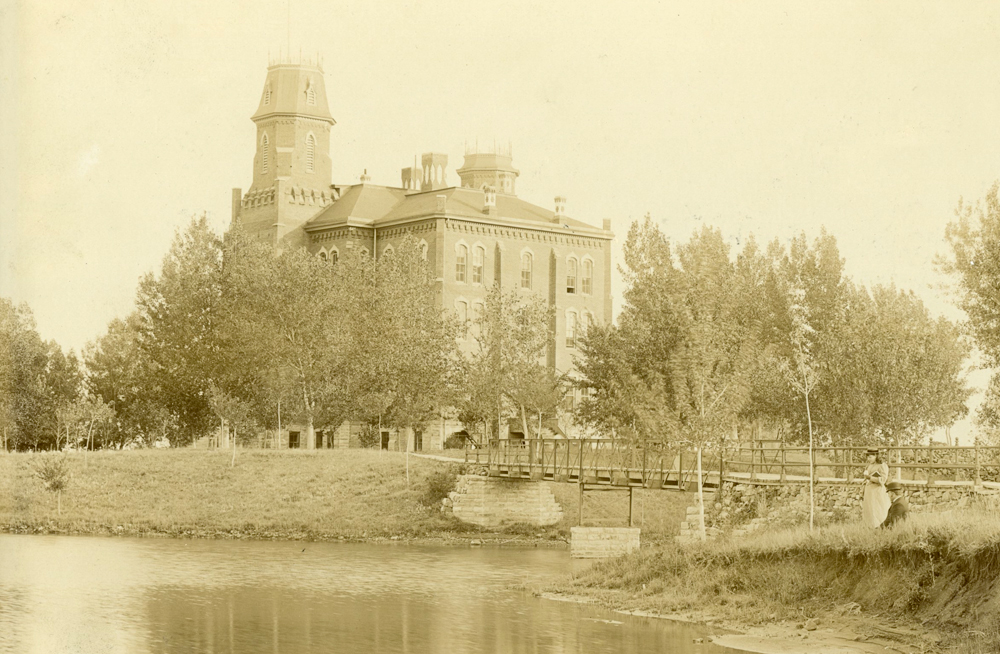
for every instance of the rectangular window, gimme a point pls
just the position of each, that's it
(525, 270)
(478, 255)
(571, 276)
(461, 258)
(293, 440)
(587, 283)
(570, 330)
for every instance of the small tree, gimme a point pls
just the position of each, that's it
(802, 374)
(53, 471)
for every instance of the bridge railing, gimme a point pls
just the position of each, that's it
(930, 464)
(597, 461)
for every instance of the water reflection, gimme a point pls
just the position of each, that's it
(63, 594)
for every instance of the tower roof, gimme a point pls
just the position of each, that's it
(294, 90)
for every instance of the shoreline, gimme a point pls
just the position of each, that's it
(775, 638)
(445, 539)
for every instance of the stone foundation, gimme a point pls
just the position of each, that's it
(492, 502)
(743, 508)
(602, 542)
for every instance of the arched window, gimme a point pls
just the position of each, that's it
(387, 252)
(423, 249)
(263, 153)
(462, 308)
(526, 270)
(461, 260)
(478, 257)
(310, 94)
(310, 152)
(267, 94)
(334, 255)
(571, 328)
(571, 276)
(587, 282)
(322, 255)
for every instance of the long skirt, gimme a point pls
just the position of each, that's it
(875, 506)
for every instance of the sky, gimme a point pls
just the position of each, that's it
(119, 121)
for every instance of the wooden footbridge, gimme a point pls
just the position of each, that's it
(626, 464)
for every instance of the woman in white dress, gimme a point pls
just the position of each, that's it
(876, 504)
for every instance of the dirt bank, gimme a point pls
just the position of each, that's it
(931, 585)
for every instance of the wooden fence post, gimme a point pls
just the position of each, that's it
(781, 448)
(753, 457)
(979, 476)
(850, 463)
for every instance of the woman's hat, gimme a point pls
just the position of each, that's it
(894, 486)
(871, 452)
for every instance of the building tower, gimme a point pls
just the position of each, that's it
(291, 167)
(489, 168)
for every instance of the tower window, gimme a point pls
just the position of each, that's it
(571, 276)
(267, 95)
(310, 152)
(478, 256)
(587, 282)
(310, 94)
(526, 270)
(263, 153)
(461, 259)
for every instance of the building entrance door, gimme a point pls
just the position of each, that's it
(385, 440)
(293, 440)
(418, 440)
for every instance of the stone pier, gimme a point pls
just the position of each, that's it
(492, 502)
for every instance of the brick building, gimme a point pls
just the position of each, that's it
(475, 233)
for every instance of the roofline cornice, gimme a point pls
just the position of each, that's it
(592, 232)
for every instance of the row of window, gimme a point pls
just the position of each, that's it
(577, 324)
(310, 152)
(586, 281)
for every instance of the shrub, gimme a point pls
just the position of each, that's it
(455, 442)
(439, 484)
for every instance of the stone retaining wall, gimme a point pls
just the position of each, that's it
(743, 507)
(602, 542)
(492, 502)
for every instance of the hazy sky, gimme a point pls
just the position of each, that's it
(121, 120)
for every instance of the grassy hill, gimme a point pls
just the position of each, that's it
(318, 495)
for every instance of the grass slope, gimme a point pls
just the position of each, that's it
(320, 495)
(935, 572)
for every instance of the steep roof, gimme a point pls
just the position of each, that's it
(380, 205)
(289, 86)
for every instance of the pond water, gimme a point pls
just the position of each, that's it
(105, 595)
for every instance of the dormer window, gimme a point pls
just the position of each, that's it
(267, 95)
(310, 94)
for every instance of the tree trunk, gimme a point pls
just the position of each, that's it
(232, 463)
(812, 467)
(524, 422)
(701, 499)
(58, 503)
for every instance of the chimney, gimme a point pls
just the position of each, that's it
(489, 201)
(560, 209)
(607, 224)
(237, 201)
(365, 177)
(434, 170)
